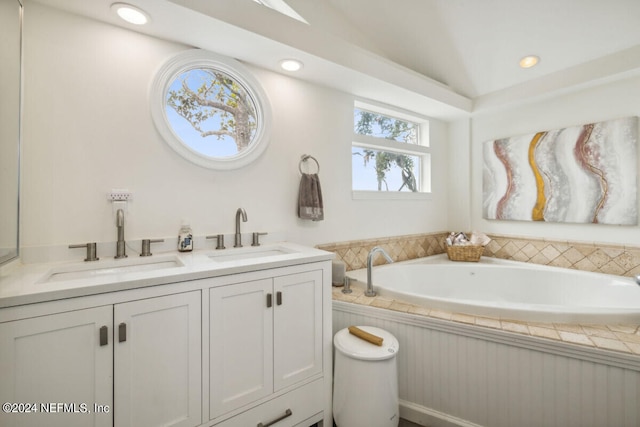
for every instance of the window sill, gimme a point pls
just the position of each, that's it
(389, 195)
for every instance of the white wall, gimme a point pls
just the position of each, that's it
(88, 129)
(608, 101)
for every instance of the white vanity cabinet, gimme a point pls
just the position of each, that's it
(266, 340)
(213, 343)
(57, 359)
(146, 353)
(158, 362)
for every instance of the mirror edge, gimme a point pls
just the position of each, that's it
(15, 255)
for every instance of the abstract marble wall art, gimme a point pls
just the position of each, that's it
(581, 174)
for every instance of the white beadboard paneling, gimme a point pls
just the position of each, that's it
(456, 375)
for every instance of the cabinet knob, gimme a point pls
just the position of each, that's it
(122, 332)
(104, 336)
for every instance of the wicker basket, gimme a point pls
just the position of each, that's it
(467, 253)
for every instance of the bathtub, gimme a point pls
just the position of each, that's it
(508, 290)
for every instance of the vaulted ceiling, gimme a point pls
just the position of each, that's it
(444, 56)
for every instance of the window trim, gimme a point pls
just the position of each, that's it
(197, 59)
(422, 150)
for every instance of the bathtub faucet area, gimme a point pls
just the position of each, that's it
(370, 292)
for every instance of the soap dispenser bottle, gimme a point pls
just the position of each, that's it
(185, 237)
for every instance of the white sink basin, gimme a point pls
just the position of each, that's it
(252, 252)
(110, 267)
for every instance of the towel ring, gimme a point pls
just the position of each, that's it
(306, 157)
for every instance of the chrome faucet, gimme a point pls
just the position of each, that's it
(243, 213)
(121, 250)
(370, 292)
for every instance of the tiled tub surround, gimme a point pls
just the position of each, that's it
(401, 248)
(587, 256)
(462, 370)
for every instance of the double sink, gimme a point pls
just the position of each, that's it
(109, 267)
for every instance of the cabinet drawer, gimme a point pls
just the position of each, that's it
(303, 403)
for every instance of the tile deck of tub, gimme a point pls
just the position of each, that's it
(623, 338)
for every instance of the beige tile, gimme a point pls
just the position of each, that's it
(626, 329)
(561, 261)
(550, 252)
(463, 318)
(586, 265)
(440, 314)
(538, 244)
(609, 344)
(635, 338)
(363, 300)
(544, 332)
(602, 333)
(540, 259)
(399, 306)
(344, 297)
(634, 347)
(561, 247)
(381, 303)
(510, 249)
(627, 261)
(530, 250)
(488, 322)
(599, 258)
(612, 267)
(521, 256)
(493, 246)
(514, 327)
(585, 249)
(612, 251)
(419, 310)
(576, 338)
(573, 255)
(568, 327)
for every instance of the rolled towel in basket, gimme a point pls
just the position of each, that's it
(310, 198)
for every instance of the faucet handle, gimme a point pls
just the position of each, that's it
(256, 238)
(91, 250)
(220, 240)
(146, 246)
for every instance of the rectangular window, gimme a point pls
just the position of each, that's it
(390, 154)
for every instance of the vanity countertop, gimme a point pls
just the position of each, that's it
(33, 283)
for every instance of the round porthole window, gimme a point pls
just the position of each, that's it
(210, 110)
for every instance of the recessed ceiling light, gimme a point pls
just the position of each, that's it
(131, 14)
(290, 64)
(529, 61)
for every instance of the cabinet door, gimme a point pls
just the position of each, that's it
(58, 359)
(297, 327)
(241, 345)
(157, 352)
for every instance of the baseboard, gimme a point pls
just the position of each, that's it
(428, 417)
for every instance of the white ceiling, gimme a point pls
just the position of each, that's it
(442, 58)
(474, 45)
